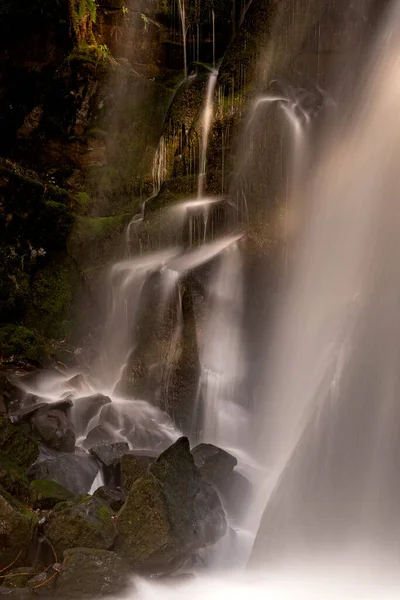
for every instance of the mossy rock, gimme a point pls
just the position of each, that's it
(169, 514)
(132, 468)
(144, 531)
(18, 578)
(13, 478)
(86, 523)
(17, 445)
(89, 572)
(45, 494)
(17, 526)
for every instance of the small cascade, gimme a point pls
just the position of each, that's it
(182, 14)
(222, 360)
(206, 121)
(213, 35)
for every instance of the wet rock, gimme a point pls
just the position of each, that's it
(86, 523)
(108, 454)
(16, 444)
(215, 464)
(115, 497)
(17, 526)
(169, 514)
(25, 414)
(55, 429)
(13, 478)
(88, 573)
(97, 436)
(15, 593)
(10, 394)
(75, 472)
(132, 467)
(236, 491)
(45, 494)
(88, 407)
(18, 578)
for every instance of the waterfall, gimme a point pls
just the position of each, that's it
(182, 14)
(206, 121)
(331, 411)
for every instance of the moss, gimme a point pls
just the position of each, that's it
(52, 298)
(16, 340)
(17, 445)
(81, 524)
(91, 227)
(17, 526)
(104, 514)
(45, 494)
(18, 578)
(143, 523)
(13, 478)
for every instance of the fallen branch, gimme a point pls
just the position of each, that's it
(12, 563)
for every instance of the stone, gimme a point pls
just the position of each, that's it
(88, 573)
(96, 436)
(115, 497)
(45, 494)
(87, 407)
(18, 578)
(169, 514)
(15, 443)
(108, 454)
(236, 492)
(25, 414)
(132, 467)
(54, 429)
(215, 464)
(10, 394)
(13, 478)
(86, 523)
(15, 593)
(75, 472)
(17, 527)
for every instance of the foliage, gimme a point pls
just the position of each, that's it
(83, 15)
(16, 340)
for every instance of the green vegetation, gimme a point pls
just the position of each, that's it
(83, 15)
(17, 340)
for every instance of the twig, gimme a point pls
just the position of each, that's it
(13, 562)
(45, 582)
(18, 574)
(53, 549)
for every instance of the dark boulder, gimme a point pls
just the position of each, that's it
(17, 527)
(25, 414)
(115, 497)
(16, 444)
(214, 463)
(87, 407)
(169, 514)
(54, 429)
(99, 435)
(88, 573)
(75, 472)
(45, 494)
(236, 491)
(109, 454)
(86, 523)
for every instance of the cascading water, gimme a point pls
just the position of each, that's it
(206, 122)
